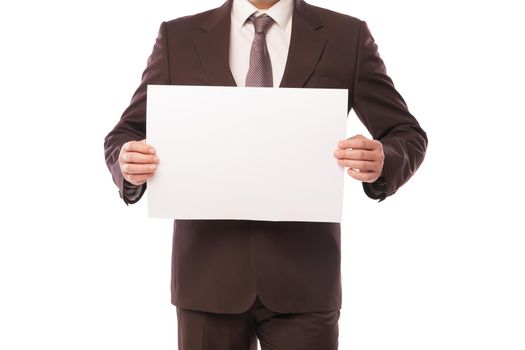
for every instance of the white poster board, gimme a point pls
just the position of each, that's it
(246, 153)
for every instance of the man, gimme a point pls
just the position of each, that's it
(234, 281)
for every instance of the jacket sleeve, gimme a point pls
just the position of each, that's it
(132, 124)
(384, 113)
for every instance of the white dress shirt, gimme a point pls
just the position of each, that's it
(242, 33)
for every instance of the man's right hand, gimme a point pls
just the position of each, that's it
(138, 161)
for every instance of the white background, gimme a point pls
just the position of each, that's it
(440, 265)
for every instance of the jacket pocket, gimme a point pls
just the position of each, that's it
(324, 82)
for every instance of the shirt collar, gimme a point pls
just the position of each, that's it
(281, 12)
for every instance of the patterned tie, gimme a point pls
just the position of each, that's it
(260, 72)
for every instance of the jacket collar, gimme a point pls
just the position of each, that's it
(307, 43)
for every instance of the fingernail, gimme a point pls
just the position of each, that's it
(152, 167)
(155, 159)
(152, 150)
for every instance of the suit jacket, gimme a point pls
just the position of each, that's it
(221, 265)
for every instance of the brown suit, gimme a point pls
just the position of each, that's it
(221, 265)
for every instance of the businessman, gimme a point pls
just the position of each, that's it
(236, 281)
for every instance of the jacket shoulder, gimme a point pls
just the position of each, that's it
(189, 23)
(333, 18)
(194, 19)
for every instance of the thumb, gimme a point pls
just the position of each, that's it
(356, 137)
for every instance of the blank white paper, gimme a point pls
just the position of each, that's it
(246, 153)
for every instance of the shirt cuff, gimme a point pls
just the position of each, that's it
(376, 189)
(131, 192)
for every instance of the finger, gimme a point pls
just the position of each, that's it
(356, 154)
(139, 158)
(139, 168)
(363, 176)
(138, 146)
(359, 143)
(139, 179)
(359, 164)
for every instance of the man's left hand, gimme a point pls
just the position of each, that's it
(363, 157)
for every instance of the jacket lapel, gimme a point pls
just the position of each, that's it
(214, 45)
(307, 43)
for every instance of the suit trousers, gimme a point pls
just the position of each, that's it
(200, 330)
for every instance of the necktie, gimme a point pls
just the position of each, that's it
(260, 72)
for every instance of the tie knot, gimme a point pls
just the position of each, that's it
(261, 23)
